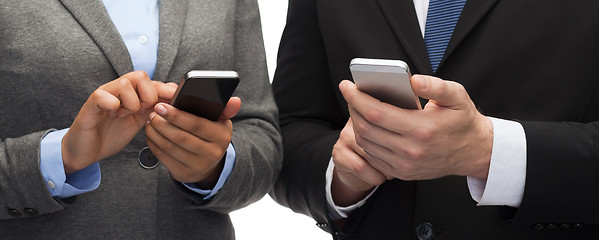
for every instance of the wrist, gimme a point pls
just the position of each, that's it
(210, 181)
(346, 193)
(69, 165)
(71, 156)
(485, 149)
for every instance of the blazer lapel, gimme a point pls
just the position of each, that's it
(404, 22)
(473, 12)
(94, 18)
(172, 19)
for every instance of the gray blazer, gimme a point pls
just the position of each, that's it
(54, 53)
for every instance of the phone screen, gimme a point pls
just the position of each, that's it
(205, 93)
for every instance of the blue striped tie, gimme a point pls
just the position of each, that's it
(442, 17)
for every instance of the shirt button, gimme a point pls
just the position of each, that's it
(143, 39)
(51, 184)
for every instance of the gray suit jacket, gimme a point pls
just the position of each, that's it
(54, 53)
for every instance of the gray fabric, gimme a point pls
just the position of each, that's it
(53, 54)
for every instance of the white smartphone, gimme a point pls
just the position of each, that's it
(386, 80)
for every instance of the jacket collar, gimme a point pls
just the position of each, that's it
(403, 20)
(94, 18)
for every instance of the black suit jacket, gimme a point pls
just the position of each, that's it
(533, 61)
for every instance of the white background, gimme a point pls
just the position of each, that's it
(266, 219)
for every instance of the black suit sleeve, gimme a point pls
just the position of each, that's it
(310, 117)
(562, 174)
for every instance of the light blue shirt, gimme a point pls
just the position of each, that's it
(137, 23)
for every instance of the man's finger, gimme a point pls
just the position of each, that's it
(444, 93)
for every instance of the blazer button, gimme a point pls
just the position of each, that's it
(578, 225)
(425, 231)
(14, 212)
(538, 226)
(321, 225)
(30, 212)
(339, 235)
(146, 159)
(564, 225)
(551, 226)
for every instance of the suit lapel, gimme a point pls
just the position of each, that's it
(92, 16)
(172, 19)
(404, 22)
(473, 12)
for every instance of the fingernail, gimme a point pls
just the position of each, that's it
(422, 82)
(152, 115)
(160, 109)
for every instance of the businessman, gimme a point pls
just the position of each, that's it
(506, 146)
(89, 147)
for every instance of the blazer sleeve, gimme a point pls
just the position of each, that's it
(309, 113)
(562, 176)
(256, 135)
(23, 192)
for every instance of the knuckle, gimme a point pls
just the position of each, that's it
(361, 142)
(415, 154)
(180, 138)
(362, 128)
(173, 117)
(404, 169)
(358, 167)
(140, 75)
(216, 154)
(196, 128)
(96, 95)
(168, 146)
(123, 82)
(423, 134)
(442, 89)
(374, 116)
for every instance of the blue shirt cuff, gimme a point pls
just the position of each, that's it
(52, 169)
(224, 175)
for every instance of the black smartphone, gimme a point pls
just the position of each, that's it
(205, 93)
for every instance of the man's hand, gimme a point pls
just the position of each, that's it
(353, 176)
(108, 120)
(191, 147)
(448, 137)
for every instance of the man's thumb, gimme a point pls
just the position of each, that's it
(443, 93)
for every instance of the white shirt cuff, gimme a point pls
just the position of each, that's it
(505, 183)
(337, 212)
